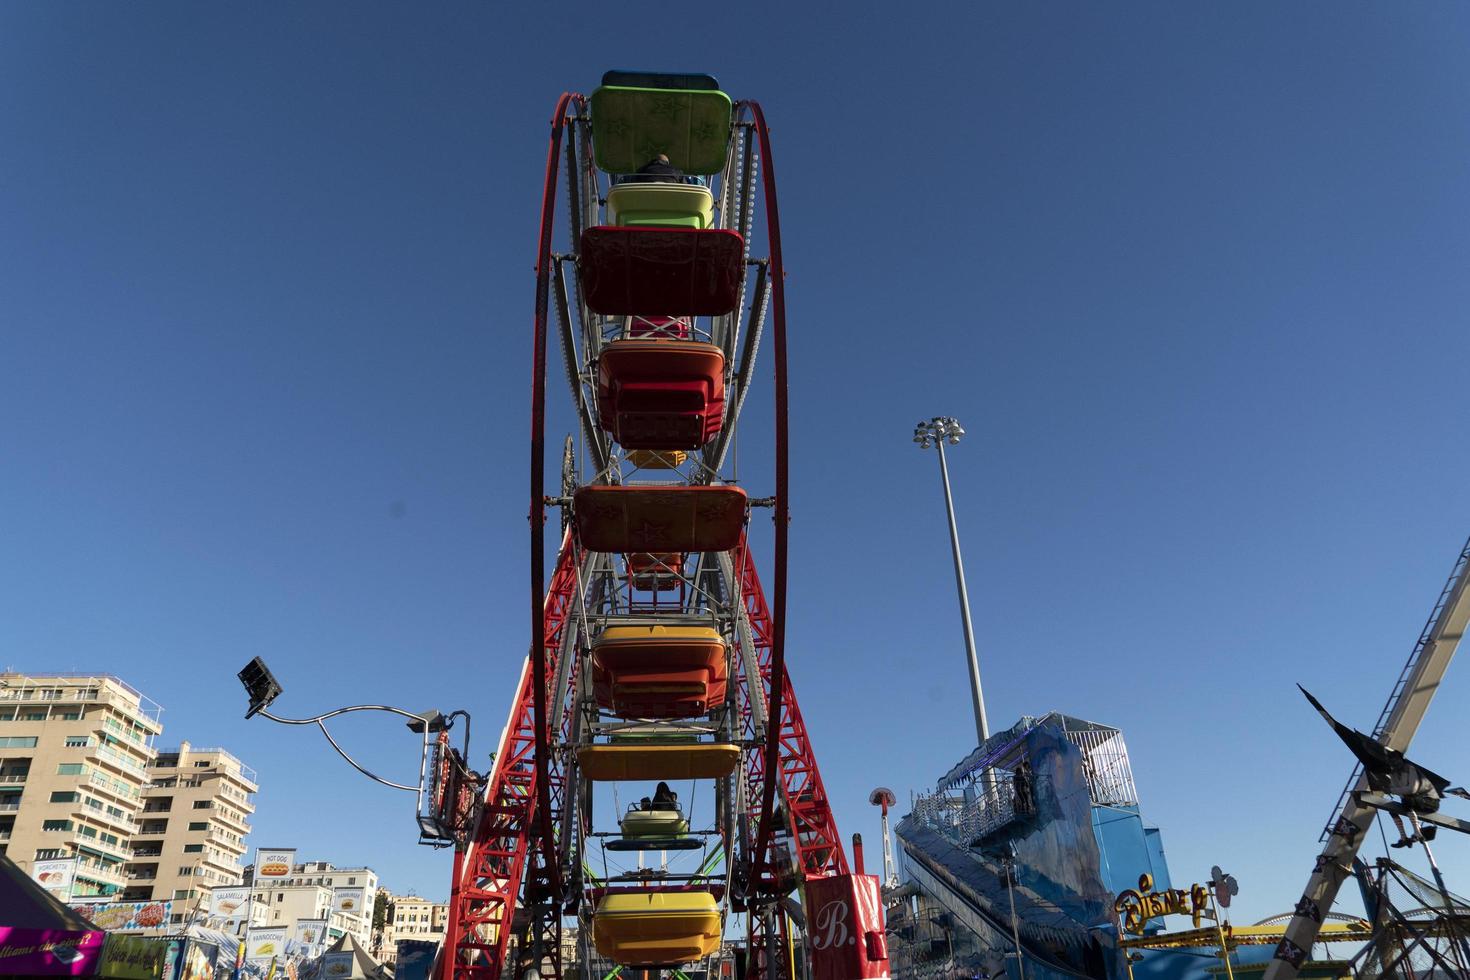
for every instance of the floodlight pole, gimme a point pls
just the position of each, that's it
(939, 430)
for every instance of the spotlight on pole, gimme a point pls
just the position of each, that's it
(261, 686)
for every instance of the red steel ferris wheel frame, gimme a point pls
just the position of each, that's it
(513, 851)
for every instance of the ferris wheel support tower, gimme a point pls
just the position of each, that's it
(1400, 719)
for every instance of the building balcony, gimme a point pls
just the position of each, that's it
(126, 824)
(9, 806)
(96, 871)
(11, 776)
(223, 863)
(145, 710)
(147, 852)
(118, 760)
(97, 844)
(103, 783)
(226, 817)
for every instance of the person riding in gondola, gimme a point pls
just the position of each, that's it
(665, 798)
(656, 171)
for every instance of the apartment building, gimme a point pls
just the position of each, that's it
(191, 827)
(74, 755)
(287, 905)
(358, 919)
(411, 917)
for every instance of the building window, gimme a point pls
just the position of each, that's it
(199, 825)
(202, 804)
(86, 831)
(201, 765)
(352, 881)
(183, 893)
(63, 797)
(56, 825)
(33, 716)
(78, 741)
(70, 716)
(16, 741)
(193, 848)
(70, 769)
(48, 854)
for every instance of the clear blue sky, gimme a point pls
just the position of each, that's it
(1192, 275)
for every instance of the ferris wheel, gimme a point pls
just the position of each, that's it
(655, 782)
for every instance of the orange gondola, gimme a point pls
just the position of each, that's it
(659, 671)
(655, 573)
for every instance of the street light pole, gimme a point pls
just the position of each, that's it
(940, 430)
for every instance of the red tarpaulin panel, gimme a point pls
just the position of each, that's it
(844, 917)
(661, 271)
(623, 519)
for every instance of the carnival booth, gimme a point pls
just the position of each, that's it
(347, 960)
(39, 936)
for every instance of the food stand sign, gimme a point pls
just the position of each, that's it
(137, 957)
(228, 903)
(49, 952)
(336, 966)
(56, 877)
(349, 900)
(274, 862)
(120, 916)
(262, 944)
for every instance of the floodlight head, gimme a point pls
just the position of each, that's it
(430, 829)
(261, 686)
(431, 719)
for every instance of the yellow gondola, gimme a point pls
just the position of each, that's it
(656, 928)
(705, 760)
(661, 205)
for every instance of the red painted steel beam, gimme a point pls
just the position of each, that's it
(537, 514)
(782, 515)
(489, 875)
(811, 822)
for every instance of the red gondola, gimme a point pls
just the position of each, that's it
(653, 519)
(661, 394)
(667, 271)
